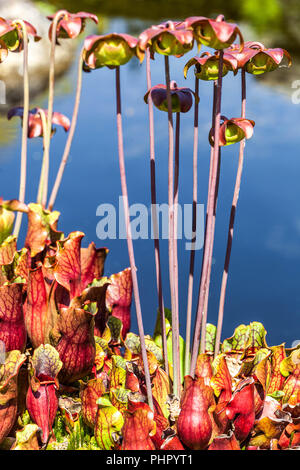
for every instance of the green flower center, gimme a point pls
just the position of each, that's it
(233, 134)
(112, 52)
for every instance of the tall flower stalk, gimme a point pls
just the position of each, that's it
(60, 14)
(154, 217)
(22, 188)
(175, 204)
(194, 224)
(68, 145)
(175, 322)
(129, 238)
(209, 238)
(231, 221)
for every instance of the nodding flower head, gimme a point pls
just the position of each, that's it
(217, 33)
(111, 50)
(169, 38)
(35, 122)
(11, 36)
(233, 131)
(257, 59)
(71, 25)
(207, 66)
(182, 98)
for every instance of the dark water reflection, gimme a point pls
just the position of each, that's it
(265, 267)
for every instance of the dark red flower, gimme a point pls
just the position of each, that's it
(71, 25)
(11, 35)
(257, 59)
(207, 65)
(169, 38)
(111, 50)
(182, 98)
(35, 123)
(217, 33)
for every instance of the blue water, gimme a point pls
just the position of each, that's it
(265, 265)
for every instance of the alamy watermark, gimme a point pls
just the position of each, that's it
(296, 92)
(151, 222)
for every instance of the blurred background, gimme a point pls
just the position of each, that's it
(265, 266)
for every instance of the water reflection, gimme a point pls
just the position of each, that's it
(265, 268)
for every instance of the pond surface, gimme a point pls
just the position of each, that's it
(265, 266)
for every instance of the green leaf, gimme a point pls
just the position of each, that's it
(211, 331)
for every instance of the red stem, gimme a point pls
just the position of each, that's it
(209, 238)
(154, 217)
(129, 239)
(231, 223)
(194, 225)
(175, 332)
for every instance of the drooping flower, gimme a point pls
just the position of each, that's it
(11, 35)
(233, 131)
(182, 98)
(35, 124)
(217, 33)
(169, 38)
(42, 399)
(207, 65)
(110, 50)
(71, 25)
(257, 59)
